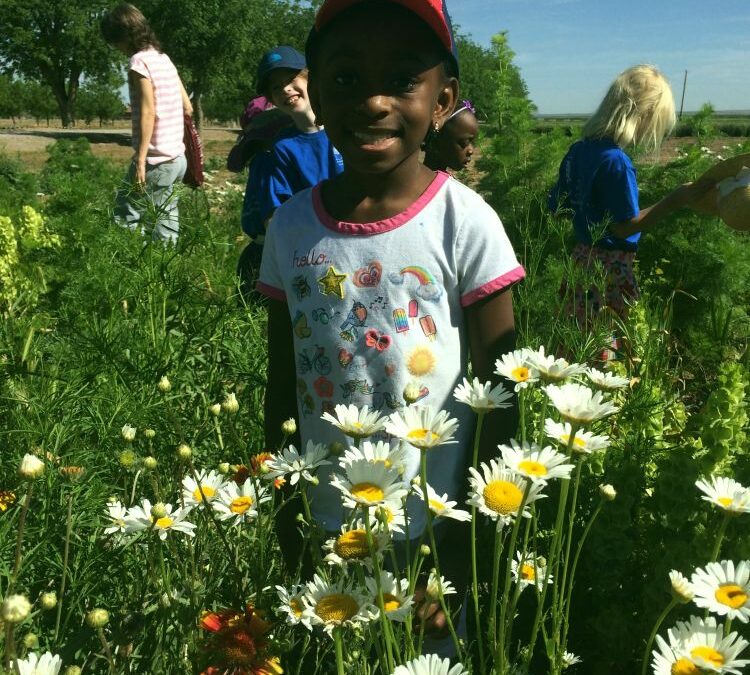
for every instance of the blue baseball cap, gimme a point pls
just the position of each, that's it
(278, 57)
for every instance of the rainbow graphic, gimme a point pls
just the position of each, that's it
(399, 318)
(423, 276)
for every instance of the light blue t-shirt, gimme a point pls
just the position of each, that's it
(597, 181)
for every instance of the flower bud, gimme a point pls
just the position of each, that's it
(215, 409)
(300, 518)
(225, 468)
(424, 549)
(128, 433)
(127, 459)
(289, 427)
(184, 452)
(314, 480)
(164, 385)
(607, 492)
(230, 404)
(15, 608)
(97, 618)
(412, 393)
(72, 670)
(72, 473)
(336, 449)
(165, 601)
(30, 641)
(31, 467)
(149, 434)
(150, 463)
(682, 589)
(158, 510)
(48, 600)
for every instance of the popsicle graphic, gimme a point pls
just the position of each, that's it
(428, 327)
(413, 309)
(399, 318)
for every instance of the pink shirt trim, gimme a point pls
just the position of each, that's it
(500, 283)
(379, 226)
(270, 291)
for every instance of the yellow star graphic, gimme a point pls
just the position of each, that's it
(332, 283)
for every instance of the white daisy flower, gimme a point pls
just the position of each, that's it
(239, 503)
(210, 484)
(355, 422)
(570, 659)
(578, 404)
(537, 464)
(330, 605)
(438, 587)
(606, 381)
(430, 664)
(368, 484)
(482, 397)
(392, 455)
(351, 547)
(726, 493)
(396, 599)
(516, 367)
(422, 427)
(116, 513)
(530, 571)
(292, 606)
(34, 664)
(498, 492)
(682, 589)
(440, 506)
(394, 516)
(551, 369)
(139, 518)
(291, 463)
(585, 442)
(723, 589)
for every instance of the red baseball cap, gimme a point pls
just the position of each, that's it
(433, 12)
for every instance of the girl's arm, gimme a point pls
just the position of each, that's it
(684, 195)
(187, 105)
(145, 93)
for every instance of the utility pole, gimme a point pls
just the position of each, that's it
(682, 103)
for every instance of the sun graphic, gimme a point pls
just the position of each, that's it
(421, 361)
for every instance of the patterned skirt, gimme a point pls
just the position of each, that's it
(621, 285)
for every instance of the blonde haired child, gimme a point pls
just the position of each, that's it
(597, 183)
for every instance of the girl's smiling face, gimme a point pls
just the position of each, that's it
(287, 90)
(379, 83)
(454, 145)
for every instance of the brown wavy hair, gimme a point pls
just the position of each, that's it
(125, 24)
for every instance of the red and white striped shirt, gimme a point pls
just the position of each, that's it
(166, 141)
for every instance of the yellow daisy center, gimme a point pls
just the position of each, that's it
(296, 606)
(422, 435)
(208, 492)
(502, 497)
(532, 468)
(725, 501)
(336, 608)
(352, 545)
(520, 374)
(578, 442)
(357, 424)
(385, 462)
(731, 595)
(708, 654)
(368, 492)
(527, 572)
(240, 504)
(164, 523)
(684, 667)
(390, 602)
(436, 506)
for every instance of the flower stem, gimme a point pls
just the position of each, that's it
(107, 650)
(66, 551)
(387, 636)
(494, 588)
(19, 539)
(474, 576)
(657, 625)
(315, 544)
(720, 537)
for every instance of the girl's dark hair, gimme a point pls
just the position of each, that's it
(125, 24)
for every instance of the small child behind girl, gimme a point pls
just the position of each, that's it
(390, 272)
(597, 182)
(453, 147)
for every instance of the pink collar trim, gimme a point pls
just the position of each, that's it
(379, 226)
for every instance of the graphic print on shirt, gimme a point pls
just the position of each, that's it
(421, 361)
(301, 287)
(428, 288)
(368, 276)
(313, 358)
(323, 315)
(332, 283)
(355, 319)
(301, 329)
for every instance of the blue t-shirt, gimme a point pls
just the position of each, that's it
(597, 181)
(258, 177)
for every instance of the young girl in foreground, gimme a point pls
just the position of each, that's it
(597, 182)
(391, 272)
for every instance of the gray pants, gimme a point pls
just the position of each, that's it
(155, 207)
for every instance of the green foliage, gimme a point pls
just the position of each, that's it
(11, 97)
(99, 100)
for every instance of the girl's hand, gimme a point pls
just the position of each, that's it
(140, 173)
(431, 613)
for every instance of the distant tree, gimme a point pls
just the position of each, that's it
(477, 64)
(216, 43)
(54, 42)
(11, 97)
(100, 99)
(38, 101)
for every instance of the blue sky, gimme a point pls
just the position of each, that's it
(570, 50)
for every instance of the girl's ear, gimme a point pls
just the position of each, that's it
(314, 96)
(446, 101)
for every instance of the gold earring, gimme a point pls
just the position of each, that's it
(436, 127)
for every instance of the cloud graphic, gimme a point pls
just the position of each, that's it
(429, 292)
(396, 278)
